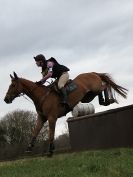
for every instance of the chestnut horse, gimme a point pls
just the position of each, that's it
(48, 104)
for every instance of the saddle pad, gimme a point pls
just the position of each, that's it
(70, 86)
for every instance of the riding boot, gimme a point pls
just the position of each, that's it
(63, 95)
(65, 100)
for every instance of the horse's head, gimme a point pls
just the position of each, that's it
(14, 90)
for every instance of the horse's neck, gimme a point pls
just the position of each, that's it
(31, 89)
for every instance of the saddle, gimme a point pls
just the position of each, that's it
(70, 86)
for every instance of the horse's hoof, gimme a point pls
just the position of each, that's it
(49, 154)
(102, 103)
(28, 150)
(106, 103)
(111, 101)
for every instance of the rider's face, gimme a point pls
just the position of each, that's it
(39, 63)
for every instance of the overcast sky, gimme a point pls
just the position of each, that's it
(84, 35)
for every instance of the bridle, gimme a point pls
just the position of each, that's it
(27, 91)
(31, 90)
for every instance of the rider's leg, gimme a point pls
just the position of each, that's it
(61, 83)
(63, 95)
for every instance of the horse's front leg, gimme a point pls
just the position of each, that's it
(38, 127)
(52, 122)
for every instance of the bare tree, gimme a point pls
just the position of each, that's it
(18, 126)
(3, 139)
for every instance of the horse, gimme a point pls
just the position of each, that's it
(47, 101)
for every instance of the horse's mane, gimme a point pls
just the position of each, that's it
(27, 82)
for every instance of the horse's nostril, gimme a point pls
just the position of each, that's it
(6, 100)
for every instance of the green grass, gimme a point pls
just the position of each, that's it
(102, 163)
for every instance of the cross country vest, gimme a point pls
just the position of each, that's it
(57, 69)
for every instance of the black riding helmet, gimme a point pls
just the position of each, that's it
(40, 57)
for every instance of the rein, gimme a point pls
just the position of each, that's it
(23, 95)
(31, 90)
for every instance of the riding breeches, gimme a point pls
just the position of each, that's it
(63, 80)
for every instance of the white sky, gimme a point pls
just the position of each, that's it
(84, 35)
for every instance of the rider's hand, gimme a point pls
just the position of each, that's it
(38, 83)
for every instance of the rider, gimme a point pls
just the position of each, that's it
(51, 68)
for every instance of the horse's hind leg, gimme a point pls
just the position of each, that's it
(88, 97)
(106, 95)
(101, 99)
(109, 99)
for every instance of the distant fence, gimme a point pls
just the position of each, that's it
(108, 129)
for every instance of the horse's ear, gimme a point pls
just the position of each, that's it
(11, 76)
(15, 75)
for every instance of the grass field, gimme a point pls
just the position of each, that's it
(102, 163)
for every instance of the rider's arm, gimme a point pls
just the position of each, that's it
(50, 72)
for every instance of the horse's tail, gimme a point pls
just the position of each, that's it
(109, 81)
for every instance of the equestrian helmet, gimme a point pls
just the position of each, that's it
(40, 57)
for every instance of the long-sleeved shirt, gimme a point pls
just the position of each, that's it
(49, 72)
